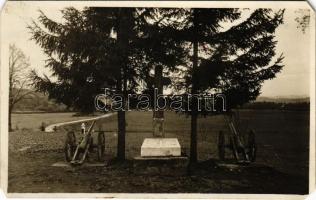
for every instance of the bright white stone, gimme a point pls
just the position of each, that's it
(160, 147)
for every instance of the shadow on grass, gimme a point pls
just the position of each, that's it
(33, 175)
(205, 177)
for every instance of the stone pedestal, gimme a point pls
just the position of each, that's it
(160, 147)
(161, 156)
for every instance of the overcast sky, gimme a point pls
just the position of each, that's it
(292, 42)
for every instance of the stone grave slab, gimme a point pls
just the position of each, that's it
(160, 147)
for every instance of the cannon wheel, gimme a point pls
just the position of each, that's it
(252, 147)
(101, 146)
(221, 145)
(70, 146)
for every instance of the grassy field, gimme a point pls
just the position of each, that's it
(282, 139)
(33, 121)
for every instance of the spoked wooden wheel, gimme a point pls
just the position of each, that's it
(221, 145)
(101, 146)
(70, 146)
(251, 146)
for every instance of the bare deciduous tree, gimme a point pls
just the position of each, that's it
(18, 78)
(302, 19)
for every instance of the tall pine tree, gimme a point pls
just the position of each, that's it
(234, 60)
(102, 47)
(117, 47)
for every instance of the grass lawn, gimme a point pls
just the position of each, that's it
(35, 120)
(282, 140)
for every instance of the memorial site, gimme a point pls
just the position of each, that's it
(168, 99)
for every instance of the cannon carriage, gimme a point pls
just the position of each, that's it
(76, 151)
(237, 143)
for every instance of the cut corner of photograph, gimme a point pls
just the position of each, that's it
(157, 99)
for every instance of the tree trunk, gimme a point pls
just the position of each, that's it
(10, 98)
(194, 113)
(193, 146)
(123, 45)
(10, 119)
(121, 136)
(121, 122)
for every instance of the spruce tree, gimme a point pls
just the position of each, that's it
(101, 47)
(234, 61)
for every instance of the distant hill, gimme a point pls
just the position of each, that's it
(280, 103)
(284, 99)
(39, 102)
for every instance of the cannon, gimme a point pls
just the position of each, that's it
(242, 144)
(77, 152)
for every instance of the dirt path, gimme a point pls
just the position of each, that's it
(50, 128)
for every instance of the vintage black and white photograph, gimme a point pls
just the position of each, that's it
(172, 98)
